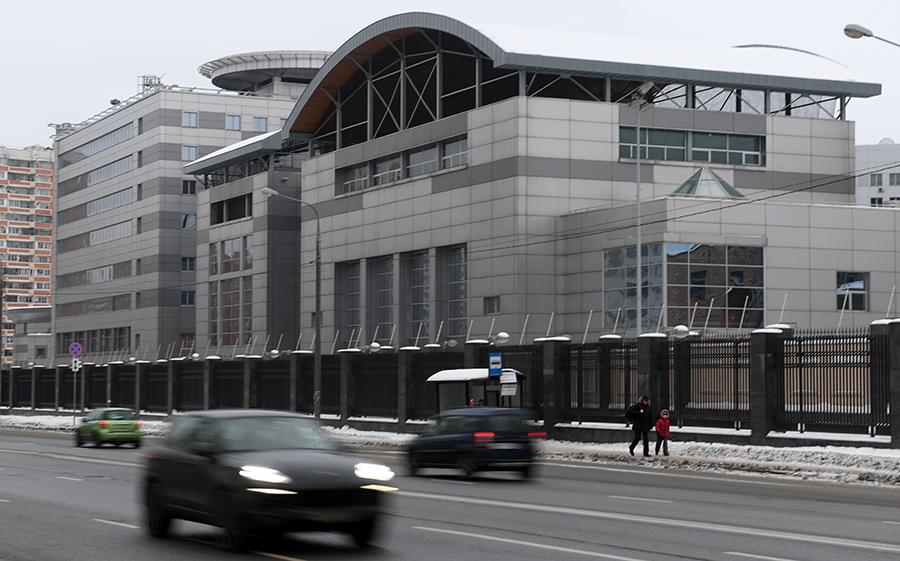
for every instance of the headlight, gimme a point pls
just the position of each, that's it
(266, 475)
(377, 472)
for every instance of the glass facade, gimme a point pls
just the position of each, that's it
(680, 146)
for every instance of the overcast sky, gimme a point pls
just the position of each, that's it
(66, 60)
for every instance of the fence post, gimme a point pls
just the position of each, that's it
(12, 383)
(57, 387)
(348, 365)
(766, 357)
(652, 365)
(170, 387)
(34, 379)
(894, 418)
(554, 377)
(293, 378)
(109, 385)
(404, 389)
(249, 382)
(207, 382)
(138, 385)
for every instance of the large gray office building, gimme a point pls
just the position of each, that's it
(466, 182)
(126, 215)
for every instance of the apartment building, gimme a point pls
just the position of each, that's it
(126, 235)
(26, 238)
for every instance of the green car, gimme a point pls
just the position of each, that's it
(116, 425)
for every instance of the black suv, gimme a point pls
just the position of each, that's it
(475, 439)
(254, 471)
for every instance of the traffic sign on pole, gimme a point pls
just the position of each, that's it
(75, 349)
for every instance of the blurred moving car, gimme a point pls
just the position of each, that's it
(114, 425)
(254, 471)
(474, 439)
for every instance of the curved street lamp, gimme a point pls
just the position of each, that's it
(317, 364)
(856, 31)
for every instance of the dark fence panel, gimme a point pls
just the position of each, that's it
(709, 383)
(155, 394)
(189, 386)
(122, 387)
(273, 384)
(68, 390)
(228, 385)
(22, 389)
(45, 392)
(331, 384)
(423, 366)
(828, 384)
(5, 388)
(95, 386)
(529, 360)
(880, 363)
(375, 386)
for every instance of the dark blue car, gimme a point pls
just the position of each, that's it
(476, 439)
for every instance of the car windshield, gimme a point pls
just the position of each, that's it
(272, 433)
(120, 415)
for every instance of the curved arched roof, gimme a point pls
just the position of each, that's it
(750, 67)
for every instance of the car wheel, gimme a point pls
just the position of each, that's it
(362, 532)
(234, 533)
(467, 467)
(526, 472)
(78, 441)
(157, 519)
(98, 442)
(137, 443)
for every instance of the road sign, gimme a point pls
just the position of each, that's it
(75, 349)
(496, 364)
(76, 365)
(508, 389)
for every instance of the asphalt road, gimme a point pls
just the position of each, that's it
(58, 502)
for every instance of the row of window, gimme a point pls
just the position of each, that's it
(877, 179)
(91, 178)
(97, 340)
(230, 255)
(25, 299)
(28, 164)
(97, 145)
(232, 122)
(95, 306)
(681, 146)
(378, 319)
(97, 206)
(95, 275)
(231, 311)
(411, 163)
(95, 237)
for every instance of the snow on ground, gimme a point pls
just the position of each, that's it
(844, 464)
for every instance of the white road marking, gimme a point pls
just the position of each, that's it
(889, 522)
(68, 478)
(276, 556)
(529, 544)
(453, 481)
(73, 458)
(756, 478)
(751, 556)
(132, 526)
(674, 523)
(640, 499)
(4, 501)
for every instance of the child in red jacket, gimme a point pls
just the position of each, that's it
(662, 432)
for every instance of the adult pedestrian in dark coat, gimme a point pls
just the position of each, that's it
(641, 416)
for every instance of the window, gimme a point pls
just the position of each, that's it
(248, 308)
(348, 293)
(140, 125)
(894, 179)
(188, 186)
(140, 158)
(422, 161)
(456, 285)
(456, 152)
(491, 305)
(187, 297)
(233, 122)
(248, 252)
(419, 295)
(281, 123)
(231, 255)
(875, 180)
(231, 209)
(231, 311)
(356, 178)
(380, 296)
(656, 144)
(189, 221)
(187, 263)
(213, 313)
(386, 170)
(140, 191)
(260, 124)
(137, 266)
(876, 201)
(214, 259)
(853, 291)
(138, 226)
(674, 145)
(189, 119)
(137, 299)
(188, 153)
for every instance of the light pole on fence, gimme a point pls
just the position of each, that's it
(639, 103)
(317, 361)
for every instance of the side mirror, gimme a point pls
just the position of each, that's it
(84, 419)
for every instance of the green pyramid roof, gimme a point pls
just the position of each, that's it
(705, 183)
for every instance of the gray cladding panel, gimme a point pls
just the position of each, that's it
(404, 140)
(211, 120)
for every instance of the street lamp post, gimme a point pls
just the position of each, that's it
(639, 103)
(856, 31)
(317, 348)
